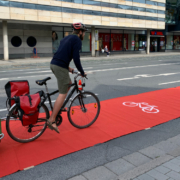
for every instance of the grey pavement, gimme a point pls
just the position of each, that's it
(151, 163)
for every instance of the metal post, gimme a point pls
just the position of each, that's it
(5, 40)
(93, 53)
(148, 41)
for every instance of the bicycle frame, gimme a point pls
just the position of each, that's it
(48, 95)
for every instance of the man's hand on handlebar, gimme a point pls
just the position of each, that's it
(71, 70)
(85, 75)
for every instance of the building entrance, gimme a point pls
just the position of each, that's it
(154, 44)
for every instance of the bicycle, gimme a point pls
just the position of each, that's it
(143, 105)
(1, 134)
(83, 110)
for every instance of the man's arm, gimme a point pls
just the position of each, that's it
(76, 56)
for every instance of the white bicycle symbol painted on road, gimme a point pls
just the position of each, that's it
(143, 105)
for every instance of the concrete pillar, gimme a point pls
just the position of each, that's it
(148, 41)
(93, 51)
(5, 40)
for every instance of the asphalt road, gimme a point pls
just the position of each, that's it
(109, 78)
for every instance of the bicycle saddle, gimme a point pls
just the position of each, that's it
(42, 81)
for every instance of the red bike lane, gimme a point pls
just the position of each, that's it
(115, 120)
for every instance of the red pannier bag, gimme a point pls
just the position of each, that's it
(16, 88)
(28, 108)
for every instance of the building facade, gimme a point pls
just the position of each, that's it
(125, 26)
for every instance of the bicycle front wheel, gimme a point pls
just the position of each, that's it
(84, 110)
(29, 133)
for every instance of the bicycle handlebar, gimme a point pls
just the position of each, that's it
(78, 74)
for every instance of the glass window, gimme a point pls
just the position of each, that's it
(139, 9)
(77, 1)
(96, 13)
(116, 41)
(104, 13)
(104, 4)
(139, 1)
(57, 28)
(77, 11)
(86, 43)
(121, 15)
(31, 41)
(176, 43)
(87, 12)
(90, 2)
(169, 41)
(67, 0)
(4, 3)
(129, 42)
(151, 3)
(29, 6)
(67, 29)
(104, 40)
(66, 10)
(124, 7)
(161, 12)
(151, 10)
(113, 14)
(161, 19)
(140, 32)
(140, 42)
(16, 41)
(162, 43)
(16, 4)
(161, 4)
(113, 5)
(56, 38)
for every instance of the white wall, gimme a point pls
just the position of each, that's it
(42, 33)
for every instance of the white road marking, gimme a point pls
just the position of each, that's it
(24, 77)
(38, 72)
(23, 70)
(147, 128)
(2, 79)
(147, 76)
(101, 70)
(28, 168)
(3, 110)
(132, 67)
(169, 82)
(112, 64)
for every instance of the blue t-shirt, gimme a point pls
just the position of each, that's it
(68, 49)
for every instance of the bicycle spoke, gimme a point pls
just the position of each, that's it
(83, 116)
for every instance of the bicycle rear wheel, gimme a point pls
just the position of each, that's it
(84, 110)
(29, 133)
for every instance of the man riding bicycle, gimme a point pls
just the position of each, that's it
(68, 49)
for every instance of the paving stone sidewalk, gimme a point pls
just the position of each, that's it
(158, 162)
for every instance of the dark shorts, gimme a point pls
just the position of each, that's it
(62, 76)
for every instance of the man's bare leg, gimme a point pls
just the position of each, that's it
(57, 106)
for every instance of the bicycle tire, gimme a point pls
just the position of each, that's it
(147, 111)
(71, 107)
(11, 134)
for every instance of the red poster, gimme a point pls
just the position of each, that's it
(133, 43)
(116, 42)
(104, 40)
